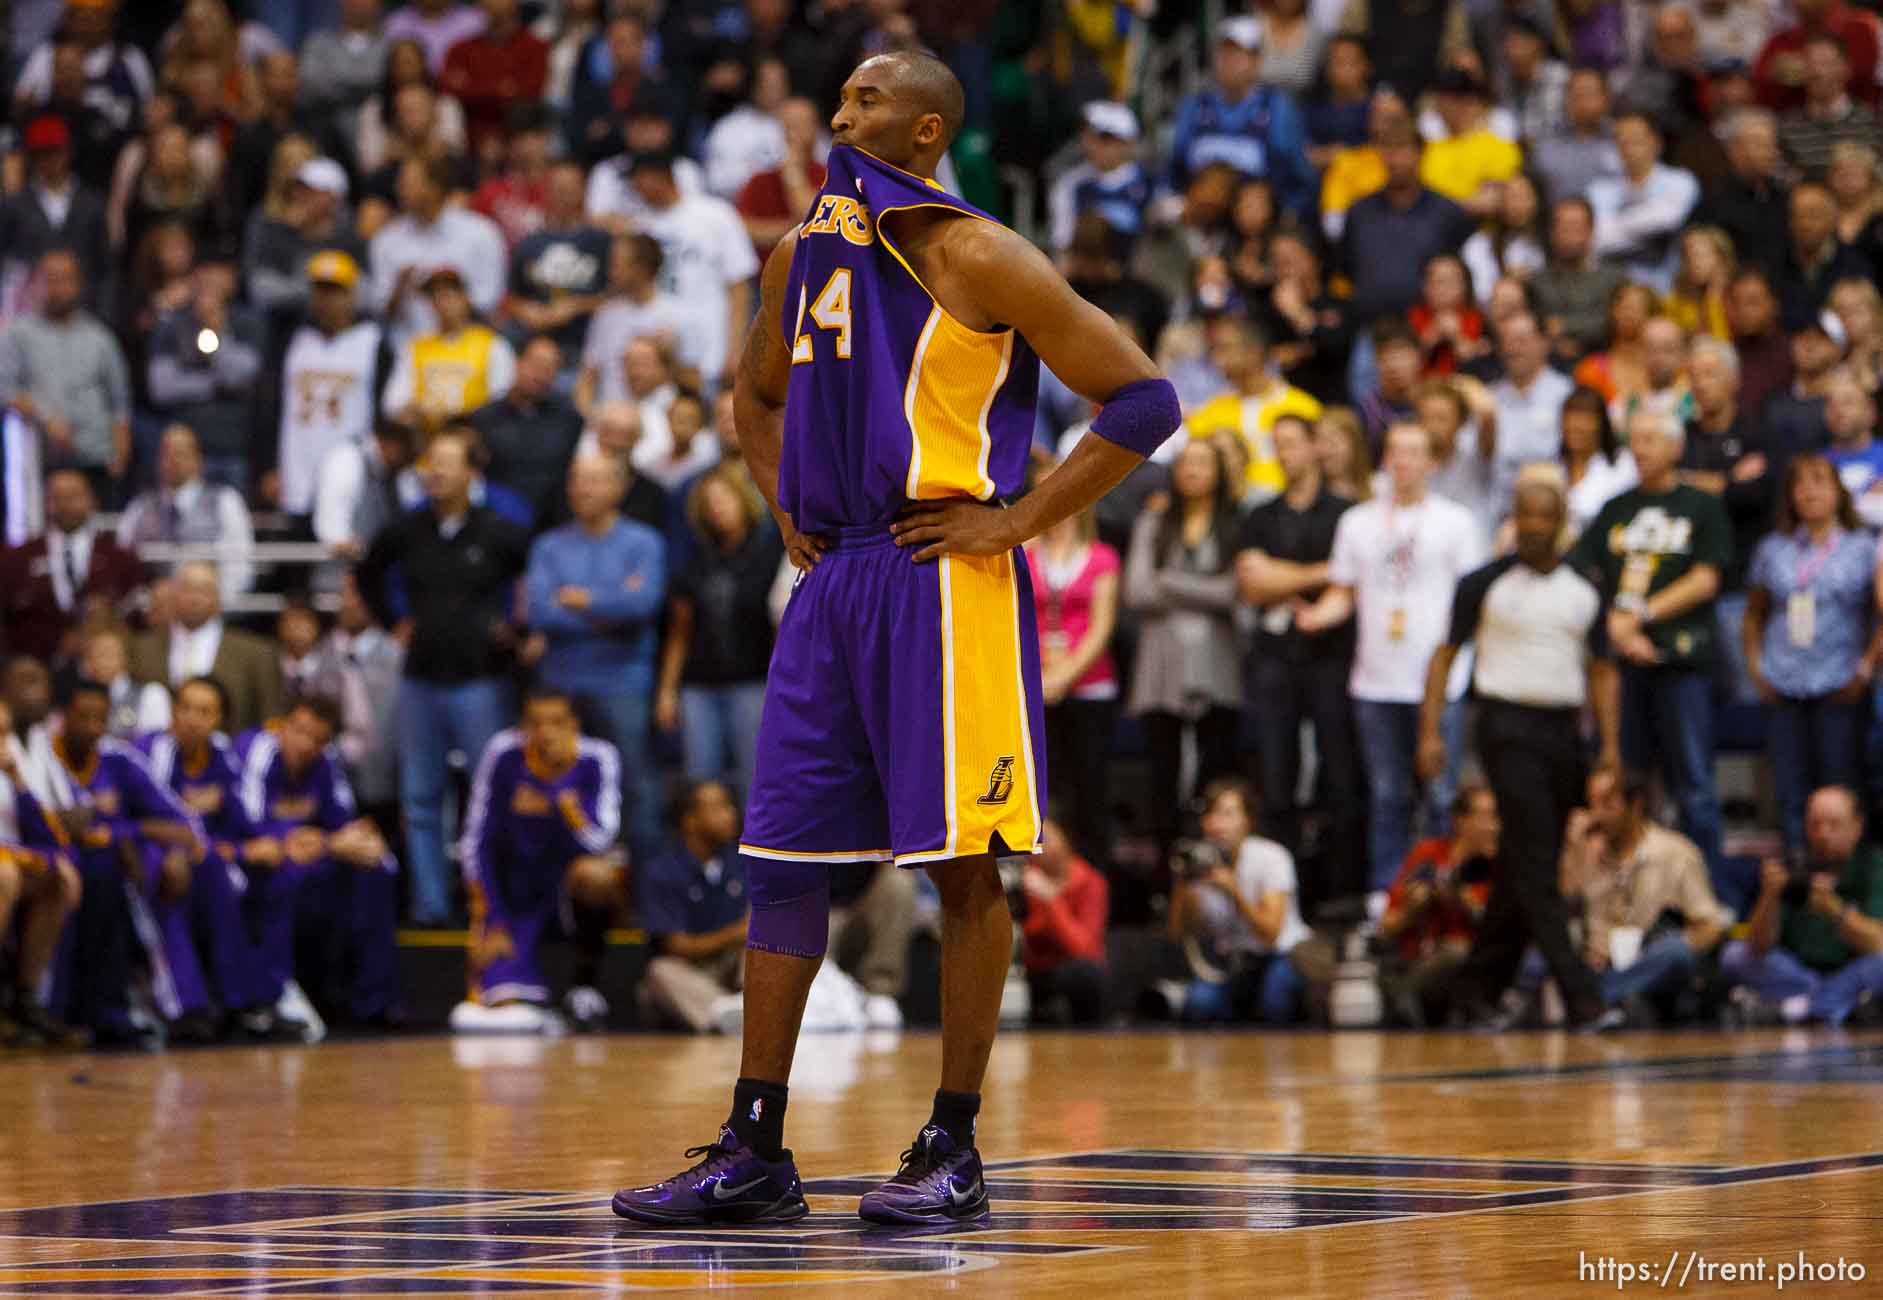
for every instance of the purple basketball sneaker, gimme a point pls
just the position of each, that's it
(938, 1183)
(730, 1184)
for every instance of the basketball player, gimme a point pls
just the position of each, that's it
(544, 812)
(885, 404)
(40, 886)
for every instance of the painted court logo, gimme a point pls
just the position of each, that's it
(999, 782)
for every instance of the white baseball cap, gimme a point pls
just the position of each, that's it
(323, 174)
(1109, 117)
(1242, 29)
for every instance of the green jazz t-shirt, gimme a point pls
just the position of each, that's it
(1812, 937)
(1642, 542)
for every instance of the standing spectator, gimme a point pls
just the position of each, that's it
(1697, 301)
(1536, 624)
(1310, 329)
(1410, 40)
(408, 117)
(1108, 179)
(1618, 370)
(712, 669)
(559, 274)
(282, 115)
(692, 902)
(1336, 108)
(493, 70)
(1469, 163)
(1180, 579)
(1573, 157)
(359, 666)
(517, 196)
(197, 643)
(1808, 640)
(1395, 564)
(678, 447)
(530, 432)
(1294, 677)
(1638, 213)
(628, 81)
(1434, 907)
(1448, 324)
(436, 26)
(1390, 235)
(460, 562)
(65, 578)
(117, 75)
(426, 235)
(1815, 956)
(52, 210)
(1528, 403)
(304, 214)
(1630, 874)
(1815, 258)
(329, 380)
(1236, 911)
(1340, 450)
(1829, 116)
(96, 139)
(1851, 415)
(63, 372)
(206, 366)
(1399, 360)
(357, 493)
(1256, 130)
(1765, 353)
(1513, 243)
(341, 66)
(1239, 351)
(1535, 84)
(774, 200)
(617, 430)
(707, 260)
(1780, 73)
(1573, 291)
(637, 307)
(1657, 553)
(749, 138)
(1460, 417)
(444, 374)
(1595, 470)
(595, 587)
(1663, 384)
(1859, 309)
(1075, 603)
(185, 510)
(1062, 935)
(1749, 203)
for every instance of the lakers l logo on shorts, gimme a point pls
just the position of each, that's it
(999, 782)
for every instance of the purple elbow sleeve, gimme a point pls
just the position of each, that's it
(1140, 416)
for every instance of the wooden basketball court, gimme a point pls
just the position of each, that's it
(1145, 1163)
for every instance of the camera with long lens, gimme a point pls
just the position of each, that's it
(1799, 870)
(1194, 860)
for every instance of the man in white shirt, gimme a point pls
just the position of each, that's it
(613, 202)
(1396, 562)
(328, 379)
(185, 510)
(358, 490)
(750, 138)
(708, 259)
(636, 308)
(429, 234)
(1529, 401)
(1639, 213)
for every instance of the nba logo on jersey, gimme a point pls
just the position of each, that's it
(999, 781)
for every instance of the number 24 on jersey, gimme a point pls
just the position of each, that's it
(830, 311)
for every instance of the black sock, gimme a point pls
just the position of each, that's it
(954, 1115)
(591, 937)
(758, 1116)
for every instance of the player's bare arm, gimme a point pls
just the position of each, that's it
(989, 277)
(758, 398)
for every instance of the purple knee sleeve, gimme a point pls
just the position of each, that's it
(790, 906)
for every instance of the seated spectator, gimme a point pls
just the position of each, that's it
(531, 432)
(1335, 108)
(594, 589)
(1656, 552)
(1239, 349)
(1697, 301)
(559, 272)
(281, 115)
(176, 184)
(1574, 293)
(52, 210)
(1434, 906)
(718, 643)
(323, 918)
(1108, 179)
(1619, 370)
(1572, 157)
(187, 511)
(203, 142)
(1855, 180)
(71, 573)
(545, 810)
(603, 108)
(426, 236)
(39, 889)
(1514, 242)
(774, 200)
(1829, 116)
(1469, 164)
(106, 659)
(297, 633)
(1638, 213)
(329, 377)
(1180, 579)
(1449, 327)
(1309, 329)
(1234, 910)
(1807, 641)
(359, 666)
(448, 372)
(435, 26)
(208, 35)
(1859, 309)
(206, 367)
(199, 644)
(1649, 914)
(1062, 933)
(1341, 452)
(515, 192)
(1814, 259)
(1258, 131)
(1400, 359)
(357, 494)
(1854, 452)
(1814, 946)
(493, 70)
(680, 448)
(1596, 468)
(63, 373)
(691, 900)
(872, 919)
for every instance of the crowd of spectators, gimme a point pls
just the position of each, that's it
(451, 291)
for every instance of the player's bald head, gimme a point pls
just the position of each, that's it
(904, 106)
(931, 86)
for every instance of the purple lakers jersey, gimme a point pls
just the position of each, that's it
(891, 399)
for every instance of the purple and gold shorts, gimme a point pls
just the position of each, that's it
(903, 718)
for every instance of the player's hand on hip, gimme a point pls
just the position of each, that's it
(805, 549)
(956, 526)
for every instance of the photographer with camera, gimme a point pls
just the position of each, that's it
(1433, 908)
(1814, 943)
(1649, 914)
(1237, 923)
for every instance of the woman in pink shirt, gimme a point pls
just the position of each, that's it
(1075, 597)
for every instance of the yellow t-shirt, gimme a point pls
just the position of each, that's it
(1457, 167)
(1697, 315)
(452, 375)
(1351, 175)
(1252, 419)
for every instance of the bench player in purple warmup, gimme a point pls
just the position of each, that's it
(885, 404)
